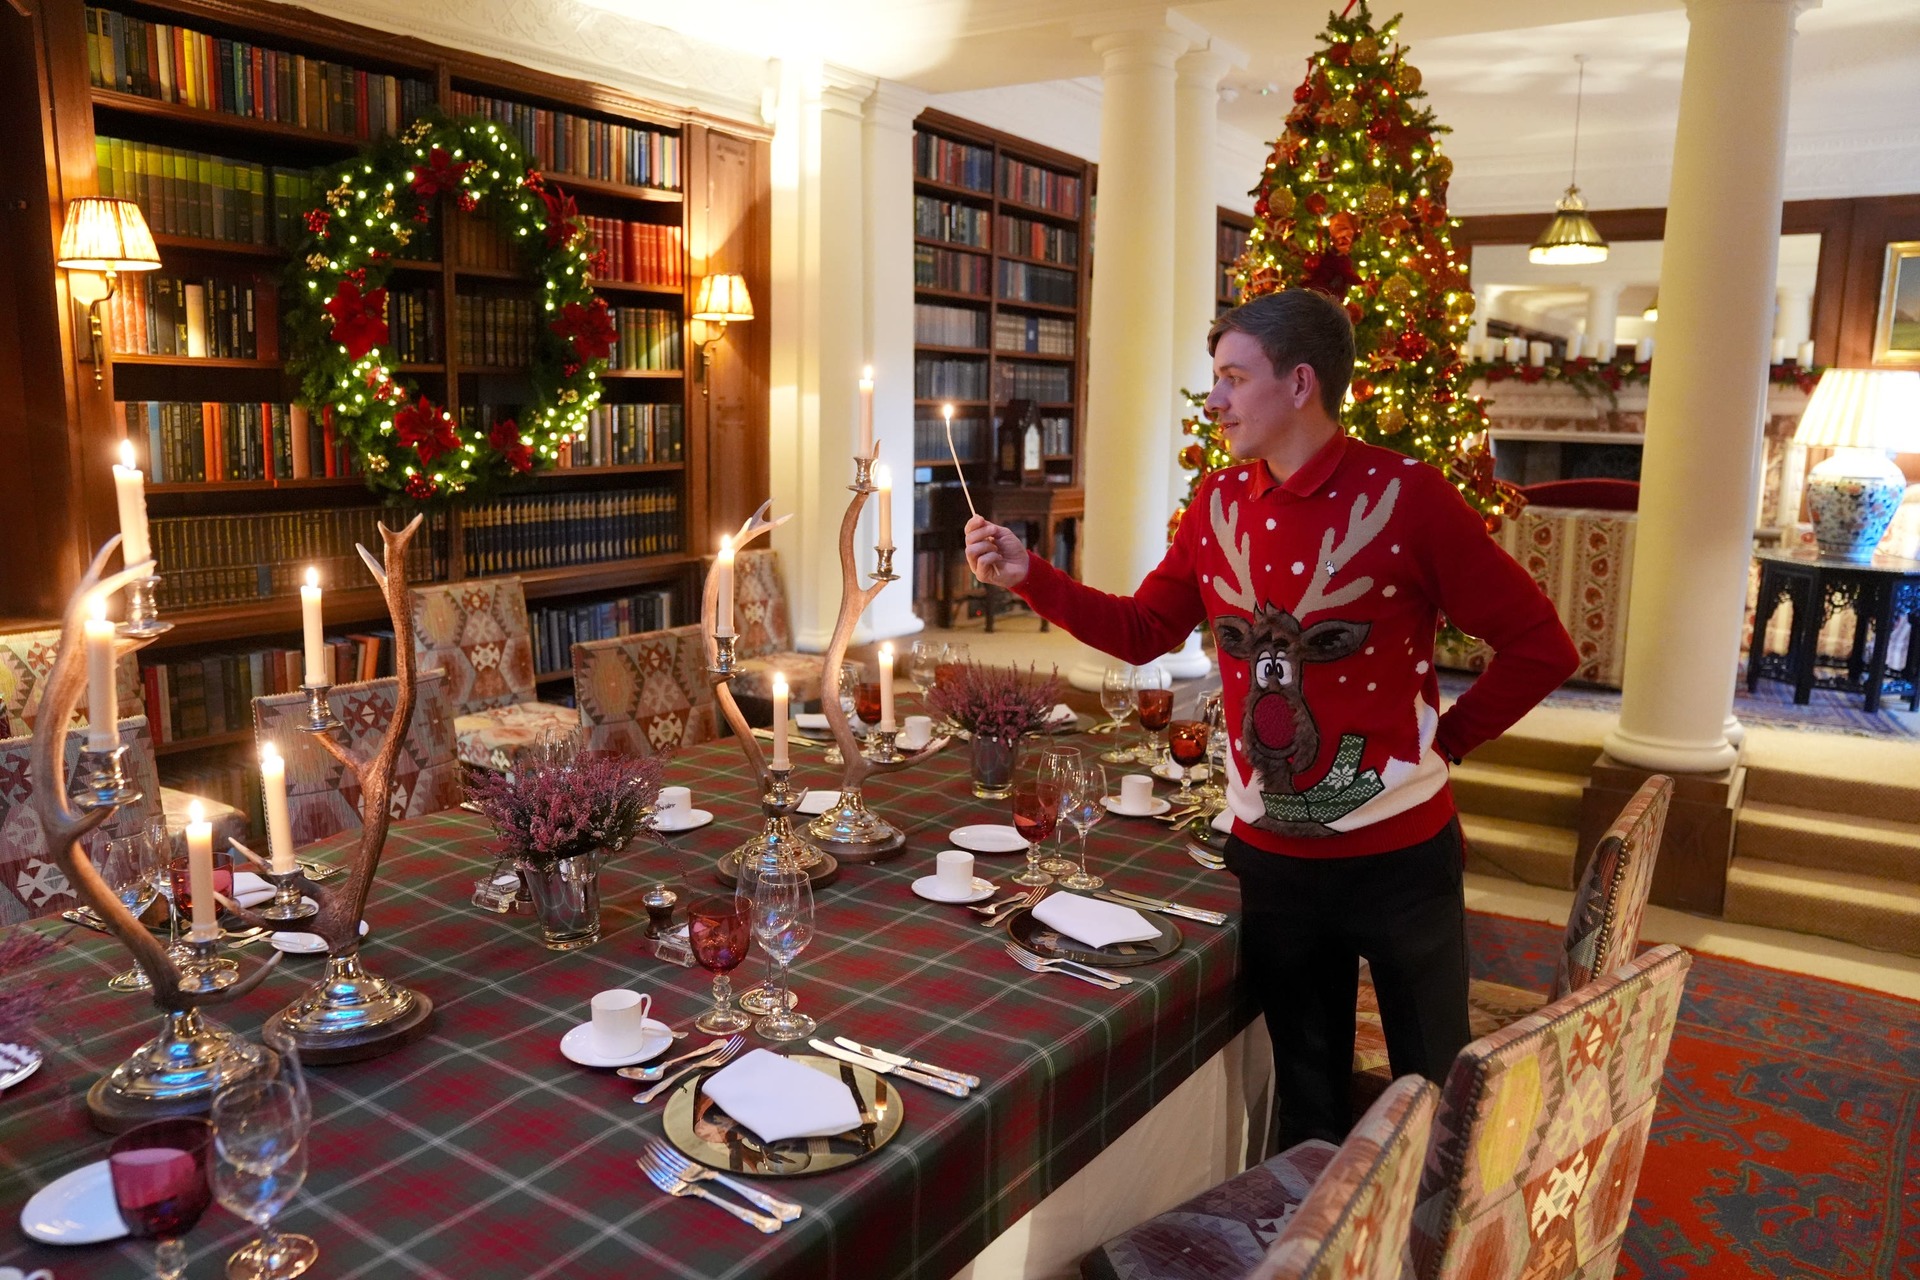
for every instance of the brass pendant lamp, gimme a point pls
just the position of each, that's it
(1571, 238)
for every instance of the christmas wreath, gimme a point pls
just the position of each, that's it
(337, 321)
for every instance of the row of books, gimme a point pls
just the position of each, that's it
(938, 219)
(209, 197)
(557, 628)
(208, 696)
(1022, 283)
(972, 438)
(624, 435)
(183, 442)
(550, 531)
(935, 268)
(155, 314)
(233, 778)
(1230, 243)
(1036, 335)
(1224, 287)
(1056, 435)
(175, 64)
(1031, 239)
(935, 324)
(649, 338)
(1039, 187)
(215, 560)
(413, 325)
(495, 333)
(1018, 380)
(639, 252)
(561, 143)
(949, 379)
(957, 164)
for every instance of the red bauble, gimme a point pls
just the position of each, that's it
(1411, 345)
(1340, 54)
(1380, 128)
(1316, 204)
(1443, 397)
(1302, 92)
(1260, 206)
(1362, 388)
(1193, 457)
(1355, 311)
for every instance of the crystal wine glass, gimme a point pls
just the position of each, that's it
(1213, 710)
(1116, 698)
(159, 1173)
(1187, 744)
(1036, 809)
(1154, 701)
(260, 1142)
(717, 930)
(131, 869)
(1082, 808)
(923, 661)
(779, 900)
(1057, 767)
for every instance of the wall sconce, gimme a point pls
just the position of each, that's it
(722, 300)
(106, 235)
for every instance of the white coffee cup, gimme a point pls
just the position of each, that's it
(620, 1022)
(917, 733)
(1136, 793)
(956, 871)
(673, 805)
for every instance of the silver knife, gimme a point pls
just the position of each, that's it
(86, 920)
(952, 1088)
(1126, 899)
(958, 1077)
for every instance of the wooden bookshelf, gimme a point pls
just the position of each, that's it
(1230, 239)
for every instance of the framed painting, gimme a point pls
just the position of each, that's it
(1896, 330)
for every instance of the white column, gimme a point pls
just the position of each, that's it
(1603, 311)
(1708, 396)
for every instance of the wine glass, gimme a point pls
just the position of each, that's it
(866, 702)
(159, 1173)
(923, 662)
(1116, 698)
(717, 929)
(1187, 744)
(1082, 808)
(260, 1143)
(1057, 767)
(1036, 809)
(1153, 699)
(779, 902)
(1213, 710)
(130, 866)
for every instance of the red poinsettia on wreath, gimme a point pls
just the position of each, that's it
(439, 173)
(505, 437)
(589, 327)
(425, 427)
(359, 319)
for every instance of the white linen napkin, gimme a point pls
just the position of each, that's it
(819, 801)
(1223, 822)
(812, 721)
(779, 1099)
(1096, 923)
(250, 890)
(1061, 713)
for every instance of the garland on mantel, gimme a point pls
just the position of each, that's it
(1605, 378)
(406, 444)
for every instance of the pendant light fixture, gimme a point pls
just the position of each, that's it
(1571, 238)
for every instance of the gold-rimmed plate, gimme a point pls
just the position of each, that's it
(697, 1127)
(1050, 944)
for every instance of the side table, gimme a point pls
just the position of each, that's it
(1879, 593)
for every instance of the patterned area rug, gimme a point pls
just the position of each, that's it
(1787, 1139)
(1771, 705)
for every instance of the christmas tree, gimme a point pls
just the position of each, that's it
(1353, 203)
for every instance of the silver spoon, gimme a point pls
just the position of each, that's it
(658, 1069)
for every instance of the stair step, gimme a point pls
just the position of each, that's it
(1537, 751)
(1518, 794)
(1836, 842)
(1870, 911)
(1863, 777)
(1524, 851)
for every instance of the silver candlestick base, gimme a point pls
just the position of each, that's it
(175, 1073)
(350, 1014)
(289, 904)
(883, 572)
(777, 841)
(208, 971)
(143, 615)
(320, 717)
(880, 748)
(103, 779)
(852, 832)
(723, 661)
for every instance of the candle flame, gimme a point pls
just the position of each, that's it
(269, 753)
(886, 650)
(779, 686)
(946, 411)
(313, 577)
(126, 454)
(196, 812)
(883, 476)
(726, 547)
(97, 606)
(866, 374)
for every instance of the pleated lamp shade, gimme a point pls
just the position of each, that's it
(1863, 409)
(104, 233)
(723, 299)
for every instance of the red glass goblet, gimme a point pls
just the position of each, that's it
(1036, 808)
(1187, 744)
(159, 1173)
(719, 932)
(866, 702)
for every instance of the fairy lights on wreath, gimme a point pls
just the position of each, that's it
(405, 443)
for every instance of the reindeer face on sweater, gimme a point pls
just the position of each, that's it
(1279, 731)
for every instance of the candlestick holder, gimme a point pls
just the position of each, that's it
(208, 971)
(290, 905)
(883, 571)
(777, 842)
(880, 748)
(320, 717)
(103, 779)
(863, 472)
(143, 614)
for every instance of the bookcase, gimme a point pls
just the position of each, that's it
(1231, 242)
(223, 121)
(1002, 273)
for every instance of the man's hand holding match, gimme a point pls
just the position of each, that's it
(995, 554)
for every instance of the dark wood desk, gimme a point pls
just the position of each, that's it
(1026, 509)
(1879, 593)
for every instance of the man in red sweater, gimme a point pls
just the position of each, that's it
(1323, 564)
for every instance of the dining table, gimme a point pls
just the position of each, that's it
(480, 1151)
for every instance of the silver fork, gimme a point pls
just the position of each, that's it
(647, 1075)
(995, 908)
(718, 1058)
(1026, 899)
(676, 1162)
(1027, 960)
(675, 1185)
(1206, 857)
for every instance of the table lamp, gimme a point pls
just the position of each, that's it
(722, 300)
(108, 235)
(1865, 415)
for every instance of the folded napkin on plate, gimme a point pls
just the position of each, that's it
(1096, 923)
(1223, 822)
(819, 801)
(250, 890)
(812, 721)
(1060, 714)
(780, 1099)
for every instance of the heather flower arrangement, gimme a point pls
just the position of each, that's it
(25, 998)
(553, 811)
(1000, 703)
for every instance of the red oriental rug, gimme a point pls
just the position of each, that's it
(1786, 1143)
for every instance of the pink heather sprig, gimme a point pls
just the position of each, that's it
(549, 812)
(1000, 703)
(26, 997)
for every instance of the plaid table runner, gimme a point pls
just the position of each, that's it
(481, 1151)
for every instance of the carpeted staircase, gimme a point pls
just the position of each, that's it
(1519, 796)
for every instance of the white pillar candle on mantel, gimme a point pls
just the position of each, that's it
(206, 926)
(130, 492)
(273, 782)
(1537, 353)
(723, 590)
(317, 666)
(866, 412)
(780, 760)
(1779, 350)
(1806, 355)
(886, 687)
(1643, 351)
(1516, 349)
(103, 695)
(883, 479)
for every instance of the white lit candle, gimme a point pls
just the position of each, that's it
(1537, 353)
(206, 926)
(316, 640)
(1806, 355)
(1643, 351)
(883, 477)
(866, 412)
(886, 686)
(780, 722)
(723, 588)
(1779, 350)
(129, 490)
(273, 782)
(103, 696)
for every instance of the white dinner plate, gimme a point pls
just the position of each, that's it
(1112, 805)
(930, 888)
(988, 837)
(17, 1062)
(578, 1046)
(296, 943)
(1169, 772)
(76, 1209)
(695, 819)
(815, 802)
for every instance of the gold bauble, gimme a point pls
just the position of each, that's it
(1376, 200)
(1281, 202)
(1340, 113)
(1407, 78)
(1366, 49)
(1439, 169)
(1392, 422)
(1396, 289)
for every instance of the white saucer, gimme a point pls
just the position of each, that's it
(988, 837)
(76, 1209)
(1171, 772)
(1112, 805)
(695, 819)
(11, 1076)
(296, 943)
(815, 802)
(929, 888)
(577, 1045)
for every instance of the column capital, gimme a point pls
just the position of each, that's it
(1148, 35)
(844, 90)
(1208, 65)
(895, 106)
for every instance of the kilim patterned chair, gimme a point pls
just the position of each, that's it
(1602, 931)
(31, 882)
(1313, 1212)
(765, 624)
(1541, 1129)
(26, 660)
(322, 798)
(645, 694)
(477, 632)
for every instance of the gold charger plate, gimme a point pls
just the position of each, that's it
(697, 1126)
(1050, 944)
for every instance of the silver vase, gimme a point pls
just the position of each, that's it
(993, 762)
(566, 899)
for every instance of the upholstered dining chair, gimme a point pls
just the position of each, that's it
(1313, 1212)
(322, 797)
(1603, 928)
(477, 632)
(765, 624)
(644, 694)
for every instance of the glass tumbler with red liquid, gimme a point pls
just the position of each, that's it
(719, 932)
(1036, 808)
(866, 702)
(159, 1173)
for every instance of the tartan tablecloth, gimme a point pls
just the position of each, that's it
(481, 1151)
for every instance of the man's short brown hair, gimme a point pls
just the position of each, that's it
(1296, 327)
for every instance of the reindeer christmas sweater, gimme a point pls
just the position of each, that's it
(1324, 592)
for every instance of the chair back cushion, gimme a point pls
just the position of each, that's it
(31, 882)
(760, 612)
(1357, 1222)
(477, 632)
(26, 660)
(1541, 1129)
(322, 797)
(644, 694)
(1603, 928)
